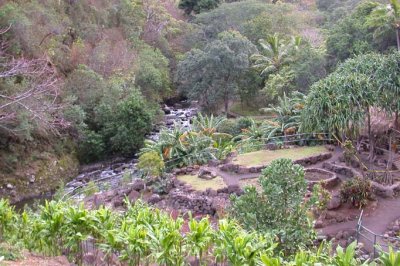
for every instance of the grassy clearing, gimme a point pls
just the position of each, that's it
(202, 184)
(245, 110)
(264, 157)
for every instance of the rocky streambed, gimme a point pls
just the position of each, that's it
(109, 175)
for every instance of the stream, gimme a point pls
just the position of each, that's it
(110, 175)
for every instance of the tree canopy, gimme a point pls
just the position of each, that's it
(212, 75)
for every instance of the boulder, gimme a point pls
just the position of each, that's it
(213, 163)
(334, 203)
(207, 174)
(138, 184)
(118, 202)
(154, 199)
(234, 189)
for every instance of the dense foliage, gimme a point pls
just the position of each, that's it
(179, 147)
(143, 235)
(212, 75)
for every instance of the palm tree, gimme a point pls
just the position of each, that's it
(276, 54)
(386, 18)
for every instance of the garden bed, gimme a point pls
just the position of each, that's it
(317, 175)
(254, 162)
(264, 157)
(202, 184)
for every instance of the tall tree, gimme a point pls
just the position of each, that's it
(387, 77)
(213, 75)
(386, 18)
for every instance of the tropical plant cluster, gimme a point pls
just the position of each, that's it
(357, 191)
(143, 235)
(180, 147)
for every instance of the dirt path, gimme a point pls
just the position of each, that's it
(387, 211)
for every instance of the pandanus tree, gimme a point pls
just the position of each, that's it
(341, 102)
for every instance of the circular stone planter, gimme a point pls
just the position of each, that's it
(320, 176)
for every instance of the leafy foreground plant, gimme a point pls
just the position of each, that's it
(147, 236)
(279, 208)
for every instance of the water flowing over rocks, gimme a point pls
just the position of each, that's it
(109, 174)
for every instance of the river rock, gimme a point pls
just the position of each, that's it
(9, 186)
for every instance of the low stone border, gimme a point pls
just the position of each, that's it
(240, 169)
(339, 169)
(330, 182)
(385, 191)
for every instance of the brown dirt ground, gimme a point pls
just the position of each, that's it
(35, 260)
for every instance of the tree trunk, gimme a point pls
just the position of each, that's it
(226, 106)
(371, 156)
(396, 120)
(398, 39)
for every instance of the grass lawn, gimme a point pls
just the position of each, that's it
(264, 157)
(202, 184)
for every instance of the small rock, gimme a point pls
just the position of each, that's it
(13, 193)
(154, 199)
(339, 235)
(138, 184)
(32, 179)
(334, 203)
(133, 196)
(318, 224)
(9, 186)
(118, 202)
(234, 189)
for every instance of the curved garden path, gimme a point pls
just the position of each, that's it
(387, 211)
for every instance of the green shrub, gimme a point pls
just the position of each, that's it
(151, 163)
(279, 208)
(124, 126)
(91, 188)
(243, 123)
(356, 191)
(91, 147)
(229, 126)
